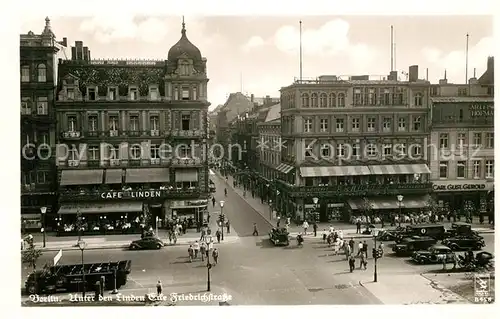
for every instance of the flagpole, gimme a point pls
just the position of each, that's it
(300, 49)
(467, 59)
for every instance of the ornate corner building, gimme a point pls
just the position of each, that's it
(38, 79)
(132, 140)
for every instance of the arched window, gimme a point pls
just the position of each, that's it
(418, 99)
(332, 100)
(42, 73)
(314, 100)
(305, 100)
(322, 100)
(25, 73)
(341, 100)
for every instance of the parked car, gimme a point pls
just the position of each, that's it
(410, 244)
(433, 255)
(462, 229)
(279, 236)
(147, 243)
(431, 230)
(388, 235)
(464, 243)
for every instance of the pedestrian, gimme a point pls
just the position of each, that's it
(329, 240)
(358, 226)
(336, 246)
(174, 237)
(159, 288)
(218, 235)
(481, 219)
(331, 229)
(362, 261)
(360, 248)
(203, 234)
(382, 222)
(352, 263)
(324, 236)
(244, 194)
(288, 221)
(208, 217)
(454, 260)
(213, 201)
(227, 227)
(347, 251)
(190, 253)
(351, 244)
(170, 237)
(443, 259)
(203, 250)
(255, 231)
(315, 228)
(215, 255)
(196, 248)
(305, 225)
(365, 248)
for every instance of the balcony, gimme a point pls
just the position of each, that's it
(113, 133)
(71, 135)
(358, 190)
(186, 162)
(73, 163)
(155, 133)
(187, 133)
(136, 194)
(114, 162)
(36, 189)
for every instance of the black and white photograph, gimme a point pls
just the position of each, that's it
(254, 160)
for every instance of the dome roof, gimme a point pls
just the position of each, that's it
(184, 46)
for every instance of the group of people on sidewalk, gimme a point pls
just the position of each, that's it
(203, 250)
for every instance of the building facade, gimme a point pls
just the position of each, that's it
(133, 140)
(352, 141)
(461, 151)
(38, 54)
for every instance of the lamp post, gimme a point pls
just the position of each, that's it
(221, 218)
(276, 201)
(208, 240)
(156, 226)
(375, 257)
(315, 201)
(79, 224)
(43, 210)
(400, 202)
(270, 209)
(82, 244)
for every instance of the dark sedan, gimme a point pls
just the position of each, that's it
(147, 243)
(464, 243)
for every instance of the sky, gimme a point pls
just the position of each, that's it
(260, 54)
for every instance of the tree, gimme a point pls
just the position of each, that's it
(366, 207)
(31, 254)
(148, 217)
(431, 205)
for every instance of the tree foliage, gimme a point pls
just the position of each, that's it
(366, 207)
(431, 205)
(31, 254)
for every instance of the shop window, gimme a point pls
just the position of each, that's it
(325, 180)
(461, 169)
(443, 169)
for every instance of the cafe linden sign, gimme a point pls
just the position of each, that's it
(459, 187)
(131, 194)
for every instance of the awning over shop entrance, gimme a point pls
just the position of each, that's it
(98, 208)
(284, 168)
(390, 203)
(319, 171)
(147, 175)
(186, 175)
(399, 169)
(81, 177)
(114, 176)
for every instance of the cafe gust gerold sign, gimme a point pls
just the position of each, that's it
(459, 187)
(131, 194)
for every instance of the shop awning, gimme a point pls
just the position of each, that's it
(31, 216)
(98, 208)
(114, 176)
(284, 168)
(186, 175)
(320, 171)
(390, 203)
(147, 175)
(399, 169)
(81, 177)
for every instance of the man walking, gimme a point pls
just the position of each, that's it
(215, 255)
(315, 228)
(360, 248)
(365, 248)
(203, 250)
(159, 288)
(358, 226)
(213, 201)
(351, 244)
(352, 263)
(305, 225)
(218, 235)
(228, 227)
(196, 248)
(190, 253)
(255, 231)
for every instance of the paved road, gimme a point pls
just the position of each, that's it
(240, 214)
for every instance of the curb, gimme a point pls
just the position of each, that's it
(361, 284)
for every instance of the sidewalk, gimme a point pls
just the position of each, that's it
(349, 229)
(406, 289)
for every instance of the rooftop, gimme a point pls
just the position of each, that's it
(462, 99)
(116, 62)
(274, 113)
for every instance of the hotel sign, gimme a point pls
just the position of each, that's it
(481, 110)
(459, 187)
(131, 194)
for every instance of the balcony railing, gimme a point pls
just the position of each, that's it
(36, 189)
(358, 190)
(71, 135)
(137, 194)
(180, 162)
(187, 133)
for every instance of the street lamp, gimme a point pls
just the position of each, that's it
(156, 225)
(276, 201)
(208, 240)
(82, 244)
(221, 218)
(315, 201)
(43, 210)
(400, 202)
(270, 209)
(375, 257)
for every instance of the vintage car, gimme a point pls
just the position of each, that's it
(462, 229)
(279, 237)
(431, 230)
(389, 234)
(433, 255)
(410, 244)
(149, 242)
(464, 243)
(482, 260)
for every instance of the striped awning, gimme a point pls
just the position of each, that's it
(390, 203)
(81, 177)
(399, 169)
(147, 175)
(114, 176)
(97, 208)
(186, 175)
(284, 168)
(319, 171)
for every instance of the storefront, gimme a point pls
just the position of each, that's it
(194, 211)
(387, 205)
(468, 197)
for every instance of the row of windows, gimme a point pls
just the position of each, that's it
(40, 137)
(387, 125)
(35, 177)
(384, 96)
(370, 150)
(461, 169)
(134, 124)
(477, 140)
(41, 73)
(271, 158)
(135, 152)
(42, 106)
(331, 100)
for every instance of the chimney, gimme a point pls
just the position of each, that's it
(73, 53)
(413, 73)
(443, 81)
(251, 98)
(490, 63)
(65, 42)
(473, 81)
(393, 76)
(85, 53)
